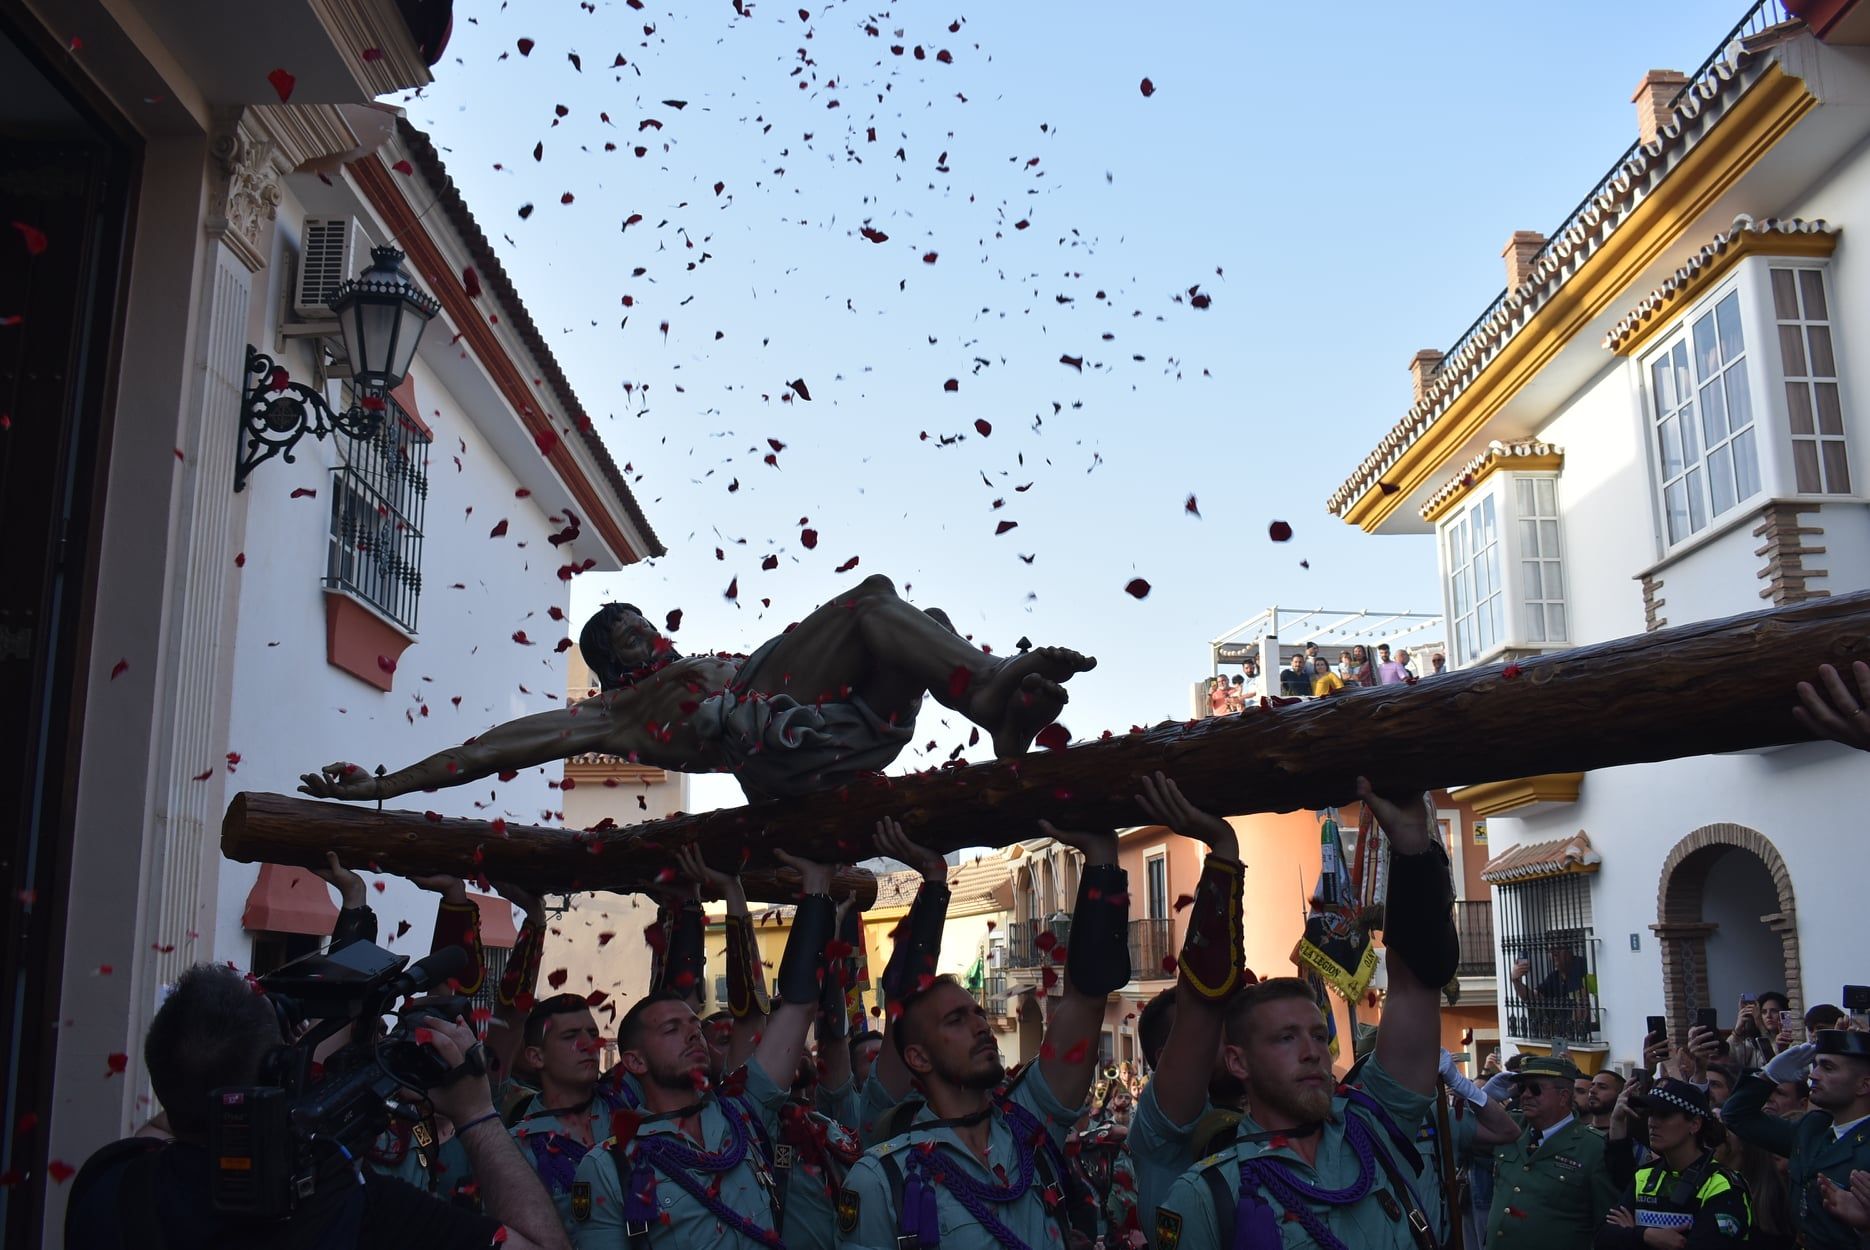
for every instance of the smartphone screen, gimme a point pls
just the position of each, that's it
(1658, 1027)
(1704, 1018)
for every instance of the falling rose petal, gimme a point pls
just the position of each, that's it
(1191, 509)
(733, 589)
(525, 47)
(119, 669)
(1148, 88)
(1279, 532)
(1004, 526)
(519, 636)
(372, 55)
(958, 681)
(1076, 362)
(875, 236)
(304, 492)
(386, 664)
(240, 559)
(983, 426)
(1138, 588)
(283, 83)
(499, 530)
(847, 566)
(60, 1171)
(929, 258)
(1510, 672)
(32, 236)
(1054, 737)
(403, 167)
(808, 539)
(116, 1062)
(800, 389)
(951, 385)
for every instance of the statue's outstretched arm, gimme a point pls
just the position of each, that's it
(522, 743)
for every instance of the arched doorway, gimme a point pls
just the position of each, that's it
(1726, 923)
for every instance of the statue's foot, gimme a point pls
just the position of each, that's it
(1025, 694)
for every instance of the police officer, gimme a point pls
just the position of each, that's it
(978, 1168)
(693, 1167)
(1828, 1142)
(1313, 1165)
(1552, 1187)
(1683, 1189)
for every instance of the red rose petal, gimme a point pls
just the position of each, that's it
(1279, 532)
(1138, 588)
(283, 82)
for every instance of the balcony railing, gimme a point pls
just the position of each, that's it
(1149, 949)
(993, 994)
(1473, 924)
(1022, 947)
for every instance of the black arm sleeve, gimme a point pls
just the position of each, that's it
(1708, 1233)
(355, 922)
(1620, 1160)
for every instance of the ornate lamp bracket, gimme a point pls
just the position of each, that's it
(276, 412)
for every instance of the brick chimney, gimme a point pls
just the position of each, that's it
(1422, 369)
(1519, 253)
(1659, 86)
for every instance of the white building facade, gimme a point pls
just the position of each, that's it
(1663, 420)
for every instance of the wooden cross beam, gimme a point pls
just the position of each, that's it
(1700, 689)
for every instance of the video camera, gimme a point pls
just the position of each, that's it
(269, 1140)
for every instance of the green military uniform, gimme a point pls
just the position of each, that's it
(1553, 1197)
(1810, 1144)
(732, 1207)
(1377, 1219)
(963, 1188)
(412, 1154)
(553, 1139)
(811, 1156)
(1463, 1130)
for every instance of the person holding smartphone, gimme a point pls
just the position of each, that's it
(1762, 1029)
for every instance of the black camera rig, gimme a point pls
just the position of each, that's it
(273, 1143)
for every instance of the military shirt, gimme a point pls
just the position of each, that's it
(554, 1140)
(442, 1170)
(1432, 1191)
(1812, 1149)
(845, 1104)
(874, 1103)
(1553, 1198)
(1187, 1216)
(867, 1215)
(1160, 1150)
(812, 1155)
(682, 1220)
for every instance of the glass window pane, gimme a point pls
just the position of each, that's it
(1721, 478)
(1691, 443)
(1824, 365)
(1785, 295)
(1661, 385)
(1486, 510)
(1534, 585)
(1727, 317)
(1739, 402)
(1675, 504)
(1529, 539)
(1805, 466)
(1713, 414)
(1548, 496)
(1830, 415)
(1837, 467)
(1812, 283)
(1535, 622)
(1697, 501)
(1555, 579)
(1792, 351)
(1799, 406)
(1671, 441)
(1707, 351)
(1746, 466)
(1548, 539)
(1555, 630)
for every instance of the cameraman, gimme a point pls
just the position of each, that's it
(213, 1031)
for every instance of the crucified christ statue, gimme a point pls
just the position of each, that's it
(831, 698)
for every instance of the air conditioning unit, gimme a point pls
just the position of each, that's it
(334, 248)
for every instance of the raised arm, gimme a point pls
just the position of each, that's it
(537, 739)
(918, 945)
(801, 971)
(1419, 938)
(833, 1026)
(1212, 961)
(1097, 964)
(747, 999)
(514, 996)
(1830, 708)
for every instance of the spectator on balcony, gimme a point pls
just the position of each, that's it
(1363, 672)
(1561, 1005)
(1390, 672)
(1408, 663)
(1345, 669)
(1440, 662)
(1237, 697)
(1762, 1029)
(1311, 654)
(1217, 696)
(1296, 680)
(1324, 681)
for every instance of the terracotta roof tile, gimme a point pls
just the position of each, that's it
(1543, 859)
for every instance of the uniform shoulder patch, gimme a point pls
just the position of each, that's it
(1727, 1225)
(1168, 1229)
(581, 1200)
(850, 1207)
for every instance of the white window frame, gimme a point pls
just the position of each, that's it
(1512, 553)
(1159, 855)
(1541, 560)
(1485, 600)
(1807, 387)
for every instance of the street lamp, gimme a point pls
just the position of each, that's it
(381, 315)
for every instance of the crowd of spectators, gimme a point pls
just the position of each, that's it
(1311, 675)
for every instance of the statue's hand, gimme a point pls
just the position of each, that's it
(340, 781)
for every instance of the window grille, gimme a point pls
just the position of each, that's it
(1550, 952)
(377, 500)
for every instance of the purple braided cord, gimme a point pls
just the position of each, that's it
(1292, 1194)
(673, 1156)
(979, 1199)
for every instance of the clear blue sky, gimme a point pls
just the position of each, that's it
(1340, 190)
